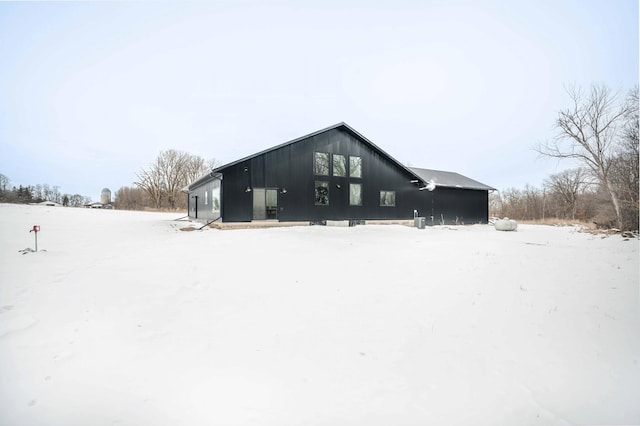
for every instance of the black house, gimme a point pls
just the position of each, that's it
(334, 174)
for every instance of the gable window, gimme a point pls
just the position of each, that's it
(355, 194)
(355, 167)
(339, 165)
(322, 193)
(387, 198)
(321, 163)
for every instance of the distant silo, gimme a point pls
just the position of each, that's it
(105, 196)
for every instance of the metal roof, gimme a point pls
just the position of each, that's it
(449, 179)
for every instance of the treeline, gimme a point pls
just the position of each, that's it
(37, 194)
(161, 185)
(600, 131)
(567, 196)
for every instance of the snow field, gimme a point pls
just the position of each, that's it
(123, 319)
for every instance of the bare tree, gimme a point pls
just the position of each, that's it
(632, 122)
(150, 182)
(4, 182)
(47, 192)
(55, 194)
(566, 186)
(589, 131)
(512, 203)
(533, 203)
(172, 168)
(127, 198)
(625, 168)
(172, 171)
(195, 168)
(37, 193)
(495, 204)
(77, 200)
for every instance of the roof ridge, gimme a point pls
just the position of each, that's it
(317, 132)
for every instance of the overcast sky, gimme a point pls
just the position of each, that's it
(91, 92)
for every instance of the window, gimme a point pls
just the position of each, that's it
(322, 193)
(355, 167)
(339, 165)
(321, 163)
(206, 197)
(388, 198)
(355, 194)
(215, 197)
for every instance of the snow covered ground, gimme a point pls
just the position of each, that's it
(123, 319)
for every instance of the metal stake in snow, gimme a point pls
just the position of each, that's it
(35, 230)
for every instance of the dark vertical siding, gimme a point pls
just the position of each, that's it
(290, 167)
(237, 203)
(462, 206)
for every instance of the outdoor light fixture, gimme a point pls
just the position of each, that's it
(248, 189)
(431, 185)
(338, 186)
(283, 191)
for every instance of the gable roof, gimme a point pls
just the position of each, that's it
(342, 126)
(449, 179)
(423, 176)
(50, 203)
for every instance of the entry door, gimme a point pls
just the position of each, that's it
(265, 204)
(272, 203)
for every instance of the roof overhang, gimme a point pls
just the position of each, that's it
(211, 175)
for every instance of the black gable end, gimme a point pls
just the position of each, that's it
(332, 174)
(287, 175)
(340, 126)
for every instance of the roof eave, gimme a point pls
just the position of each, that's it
(205, 178)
